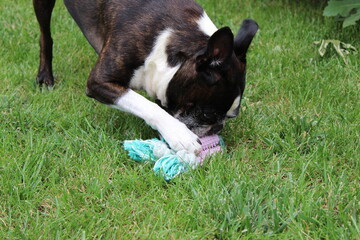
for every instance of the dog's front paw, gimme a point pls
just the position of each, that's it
(179, 137)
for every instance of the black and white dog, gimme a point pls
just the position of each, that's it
(169, 48)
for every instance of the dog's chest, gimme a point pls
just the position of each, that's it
(154, 76)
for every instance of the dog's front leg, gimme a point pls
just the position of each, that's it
(174, 132)
(103, 87)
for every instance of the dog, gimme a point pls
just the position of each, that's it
(169, 48)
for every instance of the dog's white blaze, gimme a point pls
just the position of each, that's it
(206, 25)
(154, 76)
(233, 109)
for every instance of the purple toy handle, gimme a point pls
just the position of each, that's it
(210, 145)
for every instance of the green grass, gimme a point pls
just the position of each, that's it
(291, 170)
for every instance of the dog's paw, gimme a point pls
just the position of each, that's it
(179, 137)
(45, 78)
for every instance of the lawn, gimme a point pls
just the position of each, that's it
(291, 169)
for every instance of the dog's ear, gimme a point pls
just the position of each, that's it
(244, 37)
(217, 54)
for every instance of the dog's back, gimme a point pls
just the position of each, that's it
(136, 24)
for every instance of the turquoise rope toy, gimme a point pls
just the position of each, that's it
(167, 162)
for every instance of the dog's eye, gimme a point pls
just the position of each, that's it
(207, 116)
(210, 117)
(189, 105)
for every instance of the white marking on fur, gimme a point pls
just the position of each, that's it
(176, 134)
(234, 108)
(206, 25)
(200, 130)
(136, 104)
(154, 76)
(216, 63)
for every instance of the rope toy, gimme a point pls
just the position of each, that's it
(167, 162)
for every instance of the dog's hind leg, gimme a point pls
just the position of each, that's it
(43, 10)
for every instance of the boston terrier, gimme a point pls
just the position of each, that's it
(169, 48)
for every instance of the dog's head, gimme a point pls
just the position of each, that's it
(208, 88)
